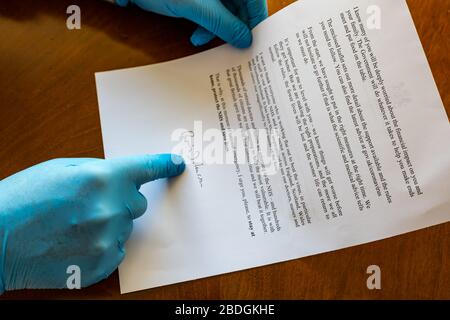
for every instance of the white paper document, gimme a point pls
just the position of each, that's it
(361, 148)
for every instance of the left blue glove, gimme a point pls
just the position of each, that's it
(67, 213)
(230, 20)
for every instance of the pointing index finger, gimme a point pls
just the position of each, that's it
(146, 168)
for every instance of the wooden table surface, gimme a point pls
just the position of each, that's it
(48, 109)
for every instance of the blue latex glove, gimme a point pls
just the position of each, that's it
(72, 212)
(230, 20)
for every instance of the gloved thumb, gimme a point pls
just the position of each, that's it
(213, 16)
(146, 168)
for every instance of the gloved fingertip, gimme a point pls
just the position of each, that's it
(178, 165)
(201, 37)
(166, 166)
(197, 41)
(243, 38)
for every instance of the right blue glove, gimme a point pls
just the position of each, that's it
(72, 212)
(230, 20)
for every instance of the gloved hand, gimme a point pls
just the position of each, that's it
(72, 212)
(230, 20)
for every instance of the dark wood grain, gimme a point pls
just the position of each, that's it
(48, 109)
